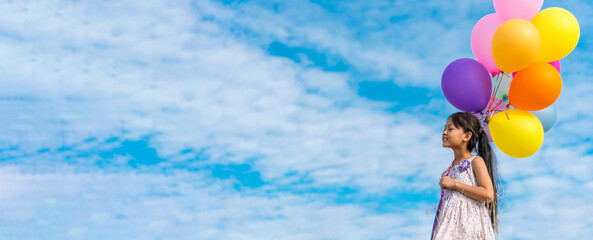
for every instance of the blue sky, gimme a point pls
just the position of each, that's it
(259, 120)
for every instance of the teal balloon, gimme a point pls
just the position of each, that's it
(547, 116)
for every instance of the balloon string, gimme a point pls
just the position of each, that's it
(501, 99)
(491, 94)
(497, 86)
(505, 89)
(490, 100)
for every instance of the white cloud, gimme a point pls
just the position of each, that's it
(407, 52)
(188, 79)
(67, 205)
(221, 95)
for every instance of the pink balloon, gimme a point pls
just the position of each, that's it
(556, 64)
(524, 9)
(481, 41)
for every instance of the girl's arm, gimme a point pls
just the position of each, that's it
(484, 190)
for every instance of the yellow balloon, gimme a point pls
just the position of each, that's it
(516, 132)
(559, 31)
(515, 45)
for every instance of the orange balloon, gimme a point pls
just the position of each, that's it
(535, 87)
(515, 45)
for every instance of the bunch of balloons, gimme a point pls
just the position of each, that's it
(515, 80)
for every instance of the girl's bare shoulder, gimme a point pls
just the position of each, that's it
(477, 160)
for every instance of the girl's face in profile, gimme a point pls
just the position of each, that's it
(453, 136)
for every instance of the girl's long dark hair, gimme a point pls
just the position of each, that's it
(470, 123)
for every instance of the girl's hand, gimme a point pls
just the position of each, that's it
(447, 182)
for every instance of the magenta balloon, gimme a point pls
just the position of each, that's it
(481, 41)
(524, 9)
(466, 85)
(556, 64)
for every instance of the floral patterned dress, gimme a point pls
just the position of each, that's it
(462, 217)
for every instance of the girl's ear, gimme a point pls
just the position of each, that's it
(467, 136)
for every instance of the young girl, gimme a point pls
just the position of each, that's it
(468, 194)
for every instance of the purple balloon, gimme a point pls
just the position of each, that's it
(467, 85)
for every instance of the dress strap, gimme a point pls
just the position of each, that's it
(436, 217)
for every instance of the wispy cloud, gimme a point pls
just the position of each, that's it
(257, 119)
(96, 205)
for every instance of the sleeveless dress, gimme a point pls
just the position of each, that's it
(462, 217)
